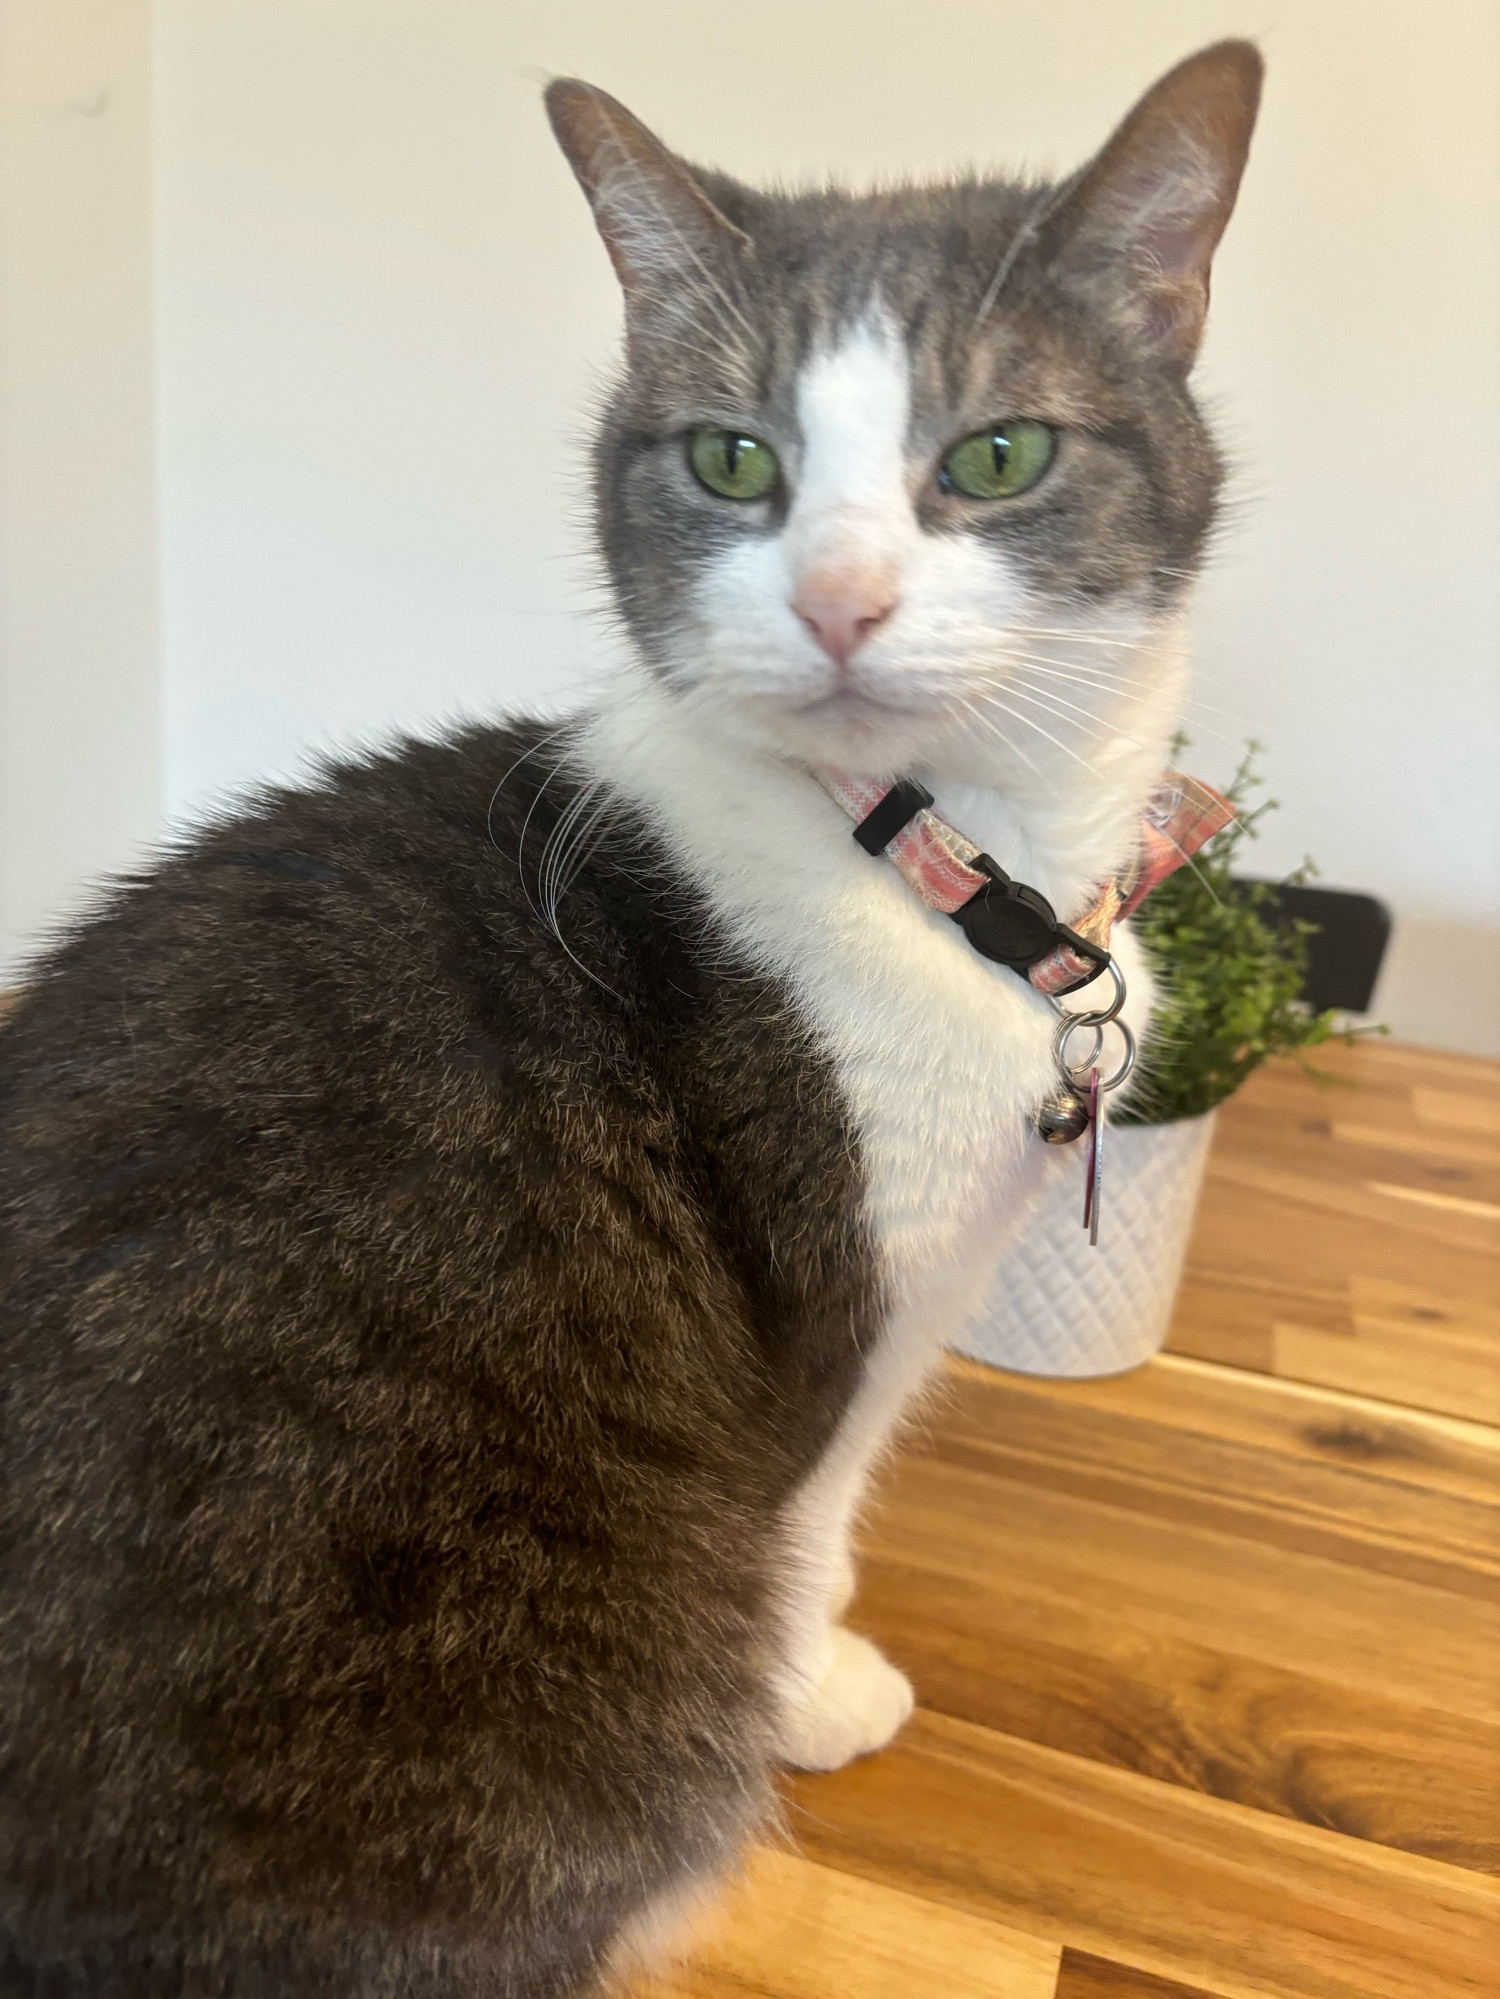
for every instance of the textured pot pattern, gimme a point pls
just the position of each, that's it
(1058, 1307)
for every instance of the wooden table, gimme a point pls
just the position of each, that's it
(1208, 1655)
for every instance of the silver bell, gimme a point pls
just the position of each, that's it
(1063, 1117)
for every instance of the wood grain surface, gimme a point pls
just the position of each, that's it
(793, 1928)
(1208, 1655)
(1084, 1976)
(1348, 1231)
(1150, 1874)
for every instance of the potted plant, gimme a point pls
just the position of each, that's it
(1230, 974)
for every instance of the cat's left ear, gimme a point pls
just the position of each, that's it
(1158, 196)
(660, 228)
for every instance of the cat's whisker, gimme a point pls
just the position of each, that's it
(1030, 721)
(510, 771)
(1104, 669)
(696, 350)
(558, 841)
(1126, 696)
(1195, 710)
(587, 829)
(967, 705)
(1127, 645)
(576, 836)
(520, 853)
(549, 914)
(1107, 677)
(1010, 654)
(1074, 637)
(1084, 676)
(1031, 221)
(1199, 723)
(1058, 706)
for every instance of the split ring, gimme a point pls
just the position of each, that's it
(1062, 1033)
(1072, 1073)
(1091, 1018)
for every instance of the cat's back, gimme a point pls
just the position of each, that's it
(342, 1017)
(335, 980)
(329, 922)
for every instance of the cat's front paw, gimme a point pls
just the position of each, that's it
(855, 1705)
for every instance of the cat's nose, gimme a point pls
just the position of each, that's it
(842, 607)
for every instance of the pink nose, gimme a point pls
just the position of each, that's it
(842, 607)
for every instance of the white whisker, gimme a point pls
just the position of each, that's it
(1106, 676)
(991, 699)
(1089, 676)
(1075, 637)
(966, 703)
(1086, 676)
(1056, 705)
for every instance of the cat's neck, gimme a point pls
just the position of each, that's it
(1063, 824)
(1070, 816)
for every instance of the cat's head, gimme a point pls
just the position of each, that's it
(910, 479)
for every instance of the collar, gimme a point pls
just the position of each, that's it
(1006, 920)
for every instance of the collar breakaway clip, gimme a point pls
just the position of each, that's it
(1006, 921)
(1013, 924)
(1009, 921)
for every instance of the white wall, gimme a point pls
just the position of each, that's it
(382, 311)
(80, 669)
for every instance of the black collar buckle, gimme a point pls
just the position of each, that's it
(1015, 925)
(1006, 921)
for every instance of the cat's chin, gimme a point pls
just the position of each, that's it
(846, 734)
(846, 729)
(858, 730)
(865, 738)
(852, 708)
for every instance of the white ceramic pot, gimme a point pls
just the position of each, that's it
(1059, 1307)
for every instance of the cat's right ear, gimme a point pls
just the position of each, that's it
(1153, 205)
(661, 230)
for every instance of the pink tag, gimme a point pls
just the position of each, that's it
(1090, 1184)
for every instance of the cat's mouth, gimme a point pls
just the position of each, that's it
(851, 704)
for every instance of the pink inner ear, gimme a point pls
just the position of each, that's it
(1174, 250)
(1179, 240)
(1173, 259)
(650, 211)
(1164, 186)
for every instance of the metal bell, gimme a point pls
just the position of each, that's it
(1063, 1117)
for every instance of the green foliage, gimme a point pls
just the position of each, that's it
(1229, 971)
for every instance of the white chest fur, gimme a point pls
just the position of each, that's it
(942, 1057)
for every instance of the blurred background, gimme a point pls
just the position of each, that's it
(301, 315)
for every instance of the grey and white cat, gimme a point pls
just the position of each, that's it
(1022, 653)
(468, 1227)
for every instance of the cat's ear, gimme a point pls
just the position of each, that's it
(1157, 197)
(660, 228)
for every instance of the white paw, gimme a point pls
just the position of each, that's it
(857, 1703)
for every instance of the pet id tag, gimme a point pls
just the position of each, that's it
(1093, 1182)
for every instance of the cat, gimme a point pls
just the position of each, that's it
(471, 1223)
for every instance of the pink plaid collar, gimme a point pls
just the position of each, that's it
(1005, 920)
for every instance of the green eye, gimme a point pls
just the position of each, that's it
(741, 468)
(995, 463)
